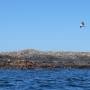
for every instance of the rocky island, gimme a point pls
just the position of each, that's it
(30, 58)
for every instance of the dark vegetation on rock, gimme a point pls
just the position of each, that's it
(31, 58)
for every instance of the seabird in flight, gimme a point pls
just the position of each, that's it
(82, 24)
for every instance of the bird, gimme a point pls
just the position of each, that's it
(82, 24)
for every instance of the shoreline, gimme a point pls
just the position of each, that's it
(31, 58)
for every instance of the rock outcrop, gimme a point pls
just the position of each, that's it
(31, 58)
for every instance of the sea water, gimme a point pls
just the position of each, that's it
(45, 79)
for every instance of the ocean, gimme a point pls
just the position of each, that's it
(45, 79)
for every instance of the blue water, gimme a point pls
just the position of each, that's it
(45, 79)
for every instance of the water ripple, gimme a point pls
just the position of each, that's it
(45, 79)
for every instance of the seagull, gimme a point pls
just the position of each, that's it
(82, 24)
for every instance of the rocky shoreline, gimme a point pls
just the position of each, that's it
(31, 58)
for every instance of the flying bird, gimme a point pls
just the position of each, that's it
(82, 24)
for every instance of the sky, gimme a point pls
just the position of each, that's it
(44, 25)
